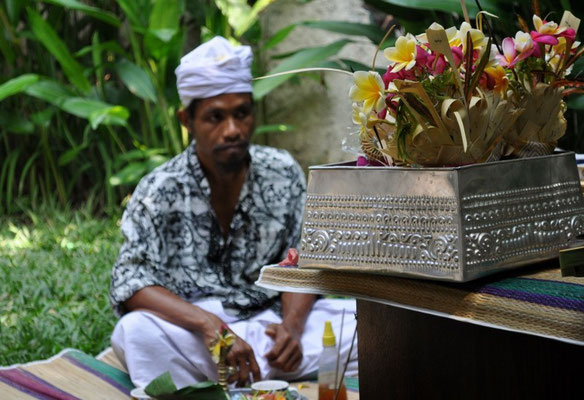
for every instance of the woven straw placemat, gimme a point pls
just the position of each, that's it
(535, 300)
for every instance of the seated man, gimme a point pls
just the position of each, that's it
(197, 231)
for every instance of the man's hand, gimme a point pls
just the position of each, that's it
(286, 354)
(240, 356)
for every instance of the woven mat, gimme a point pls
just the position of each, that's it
(535, 300)
(69, 375)
(72, 375)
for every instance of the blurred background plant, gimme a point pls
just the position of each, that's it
(87, 88)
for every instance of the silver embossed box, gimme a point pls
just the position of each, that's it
(454, 224)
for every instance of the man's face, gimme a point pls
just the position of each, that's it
(222, 126)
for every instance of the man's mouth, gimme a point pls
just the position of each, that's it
(241, 145)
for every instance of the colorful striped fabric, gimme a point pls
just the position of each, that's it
(69, 375)
(535, 300)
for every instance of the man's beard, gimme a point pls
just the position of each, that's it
(236, 162)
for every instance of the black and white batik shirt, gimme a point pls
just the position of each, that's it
(173, 238)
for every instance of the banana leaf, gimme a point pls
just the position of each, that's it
(163, 388)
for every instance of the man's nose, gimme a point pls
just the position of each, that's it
(232, 130)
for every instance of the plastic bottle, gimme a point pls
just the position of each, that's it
(327, 368)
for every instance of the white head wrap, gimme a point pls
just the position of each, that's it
(215, 67)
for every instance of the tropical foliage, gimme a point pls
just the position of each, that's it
(87, 87)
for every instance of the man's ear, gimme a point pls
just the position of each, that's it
(183, 117)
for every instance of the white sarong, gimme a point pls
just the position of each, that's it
(150, 346)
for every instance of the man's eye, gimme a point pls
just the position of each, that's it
(242, 113)
(215, 117)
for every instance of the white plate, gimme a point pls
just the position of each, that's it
(139, 393)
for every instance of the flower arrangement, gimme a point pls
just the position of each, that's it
(537, 62)
(452, 97)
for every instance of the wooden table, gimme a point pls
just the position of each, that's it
(412, 355)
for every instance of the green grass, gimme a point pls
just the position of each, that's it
(55, 270)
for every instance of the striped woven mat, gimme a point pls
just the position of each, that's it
(73, 375)
(534, 300)
(70, 375)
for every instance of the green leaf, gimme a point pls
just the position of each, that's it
(351, 65)
(136, 80)
(576, 102)
(132, 10)
(236, 11)
(279, 36)
(302, 59)
(70, 155)
(263, 129)
(95, 111)
(130, 174)
(163, 384)
(49, 91)
(372, 32)
(110, 45)
(49, 38)
(115, 115)
(43, 118)
(164, 18)
(16, 124)
(17, 85)
(89, 10)
(443, 5)
(251, 18)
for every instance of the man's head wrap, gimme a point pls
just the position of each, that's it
(215, 67)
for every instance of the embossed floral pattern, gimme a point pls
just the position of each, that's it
(173, 238)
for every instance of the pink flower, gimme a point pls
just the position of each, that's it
(382, 114)
(543, 38)
(391, 103)
(389, 76)
(509, 57)
(569, 33)
(362, 161)
(437, 67)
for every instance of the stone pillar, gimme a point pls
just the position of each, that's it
(320, 111)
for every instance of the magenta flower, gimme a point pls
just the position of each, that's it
(543, 38)
(389, 76)
(569, 33)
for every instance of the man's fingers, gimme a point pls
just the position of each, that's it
(254, 368)
(243, 376)
(280, 343)
(285, 356)
(293, 363)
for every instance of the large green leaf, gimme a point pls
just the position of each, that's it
(135, 170)
(164, 19)
(17, 85)
(279, 36)
(95, 111)
(305, 58)
(372, 32)
(136, 80)
(95, 12)
(49, 38)
(50, 91)
(443, 5)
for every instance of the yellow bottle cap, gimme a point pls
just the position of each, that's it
(328, 337)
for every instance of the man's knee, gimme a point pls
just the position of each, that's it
(137, 328)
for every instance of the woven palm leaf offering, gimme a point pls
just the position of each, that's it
(442, 101)
(536, 63)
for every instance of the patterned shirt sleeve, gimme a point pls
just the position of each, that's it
(138, 263)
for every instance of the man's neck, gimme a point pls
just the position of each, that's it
(225, 190)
